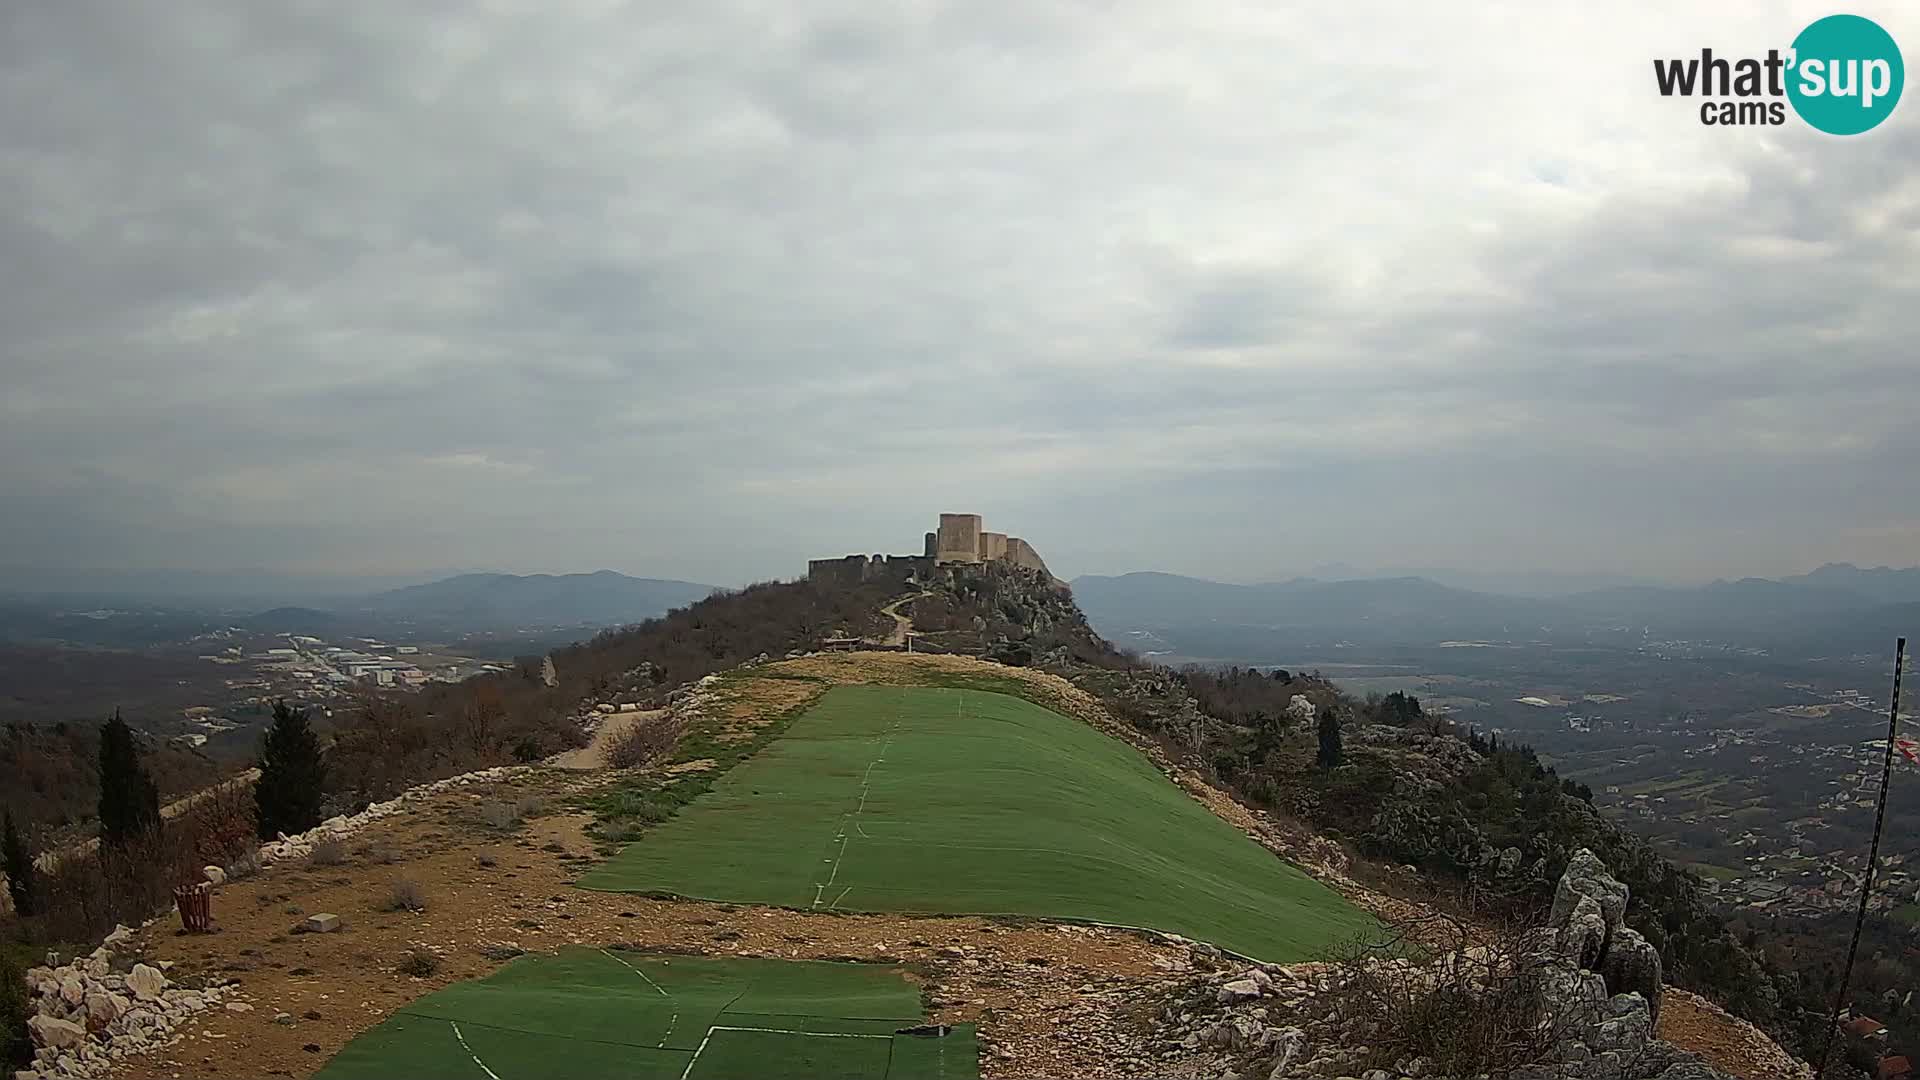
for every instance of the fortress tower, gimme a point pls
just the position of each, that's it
(958, 539)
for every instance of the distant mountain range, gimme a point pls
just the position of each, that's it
(1837, 608)
(602, 598)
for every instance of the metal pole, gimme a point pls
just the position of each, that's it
(1873, 856)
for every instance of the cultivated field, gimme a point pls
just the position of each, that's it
(591, 1013)
(913, 799)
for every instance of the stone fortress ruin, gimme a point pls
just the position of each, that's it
(959, 539)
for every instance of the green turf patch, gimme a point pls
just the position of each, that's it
(960, 801)
(640, 1016)
(627, 810)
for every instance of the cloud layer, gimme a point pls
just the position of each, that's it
(701, 289)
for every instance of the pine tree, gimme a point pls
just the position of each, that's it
(293, 775)
(19, 868)
(129, 803)
(1331, 752)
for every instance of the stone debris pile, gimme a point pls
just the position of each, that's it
(92, 1012)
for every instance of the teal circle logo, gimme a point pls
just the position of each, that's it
(1847, 75)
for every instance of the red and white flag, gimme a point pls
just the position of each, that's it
(1908, 747)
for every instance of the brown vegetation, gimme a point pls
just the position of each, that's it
(1478, 1009)
(643, 743)
(84, 894)
(53, 781)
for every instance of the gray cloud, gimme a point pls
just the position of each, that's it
(699, 290)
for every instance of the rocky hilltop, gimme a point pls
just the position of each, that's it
(1530, 940)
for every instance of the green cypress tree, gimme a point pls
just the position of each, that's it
(129, 803)
(293, 775)
(16, 1042)
(20, 870)
(1331, 752)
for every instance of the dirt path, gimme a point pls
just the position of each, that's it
(902, 624)
(594, 754)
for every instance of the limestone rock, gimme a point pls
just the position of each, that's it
(146, 982)
(323, 922)
(1632, 966)
(104, 1008)
(1587, 876)
(1239, 990)
(1583, 932)
(56, 1034)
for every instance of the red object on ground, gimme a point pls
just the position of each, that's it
(196, 907)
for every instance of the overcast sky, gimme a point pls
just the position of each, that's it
(702, 289)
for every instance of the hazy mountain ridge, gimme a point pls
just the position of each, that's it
(1838, 606)
(603, 598)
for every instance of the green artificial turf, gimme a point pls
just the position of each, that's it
(959, 801)
(617, 1014)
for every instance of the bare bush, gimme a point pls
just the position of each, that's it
(497, 815)
(246, 865)
(328, 851)
(419, 963)
(1482, 1008)
(646, 741)
(529, 806)
(406, 895)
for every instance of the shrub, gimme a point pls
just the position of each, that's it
(644, 742)
(20, 871)
(16, 1045)
(497, 815)
(498, 953)
(328, 851)
(1476, 1010)
(244, 867)
(221, 822)
(406, 895)
(529, 806)
(419, 963)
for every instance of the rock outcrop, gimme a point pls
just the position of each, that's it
(1595, 988)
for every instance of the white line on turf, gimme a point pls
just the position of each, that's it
(807, 1034)
(671, 1020)
(866, 784)
(688, 1071)
(469, 1050)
